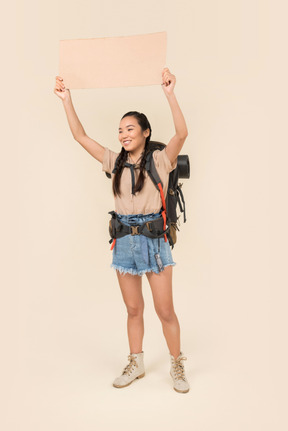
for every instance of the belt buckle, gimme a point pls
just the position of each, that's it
(135, 230)
(148, 224)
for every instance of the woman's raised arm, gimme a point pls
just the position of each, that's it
(94, 148)
(175, 144)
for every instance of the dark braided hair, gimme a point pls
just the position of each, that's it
(144, 124)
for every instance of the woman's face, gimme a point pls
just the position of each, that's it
(131, 135)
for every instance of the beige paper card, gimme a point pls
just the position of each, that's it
(113, 61)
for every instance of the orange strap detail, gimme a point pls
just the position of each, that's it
(113, 243)
(164, 227)
(164, 206)
(162, 196)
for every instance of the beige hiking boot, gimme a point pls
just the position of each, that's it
(134, 370)
(178, 374)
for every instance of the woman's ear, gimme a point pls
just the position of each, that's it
(147, 133)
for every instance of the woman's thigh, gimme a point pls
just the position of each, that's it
(131, 289)
(161, 287)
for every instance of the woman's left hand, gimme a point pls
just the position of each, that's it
(168, 80)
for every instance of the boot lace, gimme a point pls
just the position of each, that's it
(128, 368)
(178, 368)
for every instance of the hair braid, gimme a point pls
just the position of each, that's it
(141, 178)
(119, 169)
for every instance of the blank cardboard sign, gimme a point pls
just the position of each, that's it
(113, 61)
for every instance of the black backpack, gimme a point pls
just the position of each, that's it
(174, 193)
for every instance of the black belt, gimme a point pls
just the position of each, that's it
(151, 229)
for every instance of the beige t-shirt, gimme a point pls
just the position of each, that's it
(148, 200)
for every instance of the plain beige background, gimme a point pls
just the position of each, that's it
(63, 321)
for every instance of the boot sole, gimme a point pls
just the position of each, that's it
(124, 386)
(181, 392)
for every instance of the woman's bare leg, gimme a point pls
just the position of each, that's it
(131, 289)
(161, 286)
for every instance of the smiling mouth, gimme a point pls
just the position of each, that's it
(126, 142)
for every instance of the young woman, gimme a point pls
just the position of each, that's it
(137, 201)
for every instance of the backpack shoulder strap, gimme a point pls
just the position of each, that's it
(152, 171)
(153, 174)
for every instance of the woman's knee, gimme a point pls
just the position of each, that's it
(166, 314)
(135, 310)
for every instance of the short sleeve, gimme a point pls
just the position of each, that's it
(109, 159)
(162, 161)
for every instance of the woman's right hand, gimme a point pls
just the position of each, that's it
(60, 90)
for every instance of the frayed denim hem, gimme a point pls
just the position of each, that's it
(123, 270)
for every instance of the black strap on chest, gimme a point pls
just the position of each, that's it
(131, 166)
(149, 166)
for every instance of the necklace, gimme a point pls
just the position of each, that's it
(137, 159)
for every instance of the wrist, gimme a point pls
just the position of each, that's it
(67, 98)
(170, 95)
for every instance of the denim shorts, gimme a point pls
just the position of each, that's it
(135, 254)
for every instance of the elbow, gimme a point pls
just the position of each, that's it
(78, 138)
(183, 135)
